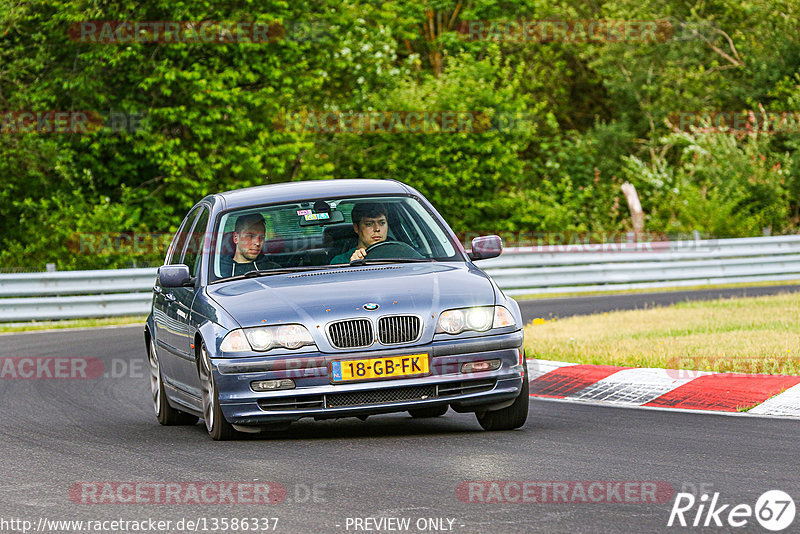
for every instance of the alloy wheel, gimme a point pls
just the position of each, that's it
(207, 385)
(155, 378)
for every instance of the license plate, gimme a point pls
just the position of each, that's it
(380, 368)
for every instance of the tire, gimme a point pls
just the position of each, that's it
(166, 414)
(434, 411)
(511, 417)
(218, 427)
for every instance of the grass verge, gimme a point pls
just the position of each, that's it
(535, 296)
(743, 335)
(71, 323)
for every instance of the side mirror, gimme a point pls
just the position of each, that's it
(485, 247)
(174, 276)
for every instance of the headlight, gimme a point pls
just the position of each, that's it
(293, 336)
(480, 319)
(259, 338)
(263, 338)
(451, 321)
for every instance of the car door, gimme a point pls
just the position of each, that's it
(181, 306)
(164, 316)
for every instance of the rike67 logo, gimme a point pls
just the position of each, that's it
(774, 510)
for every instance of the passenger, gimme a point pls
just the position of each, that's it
(371, 227)
(248, 235)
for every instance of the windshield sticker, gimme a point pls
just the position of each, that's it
(304, 212)
(316, 216)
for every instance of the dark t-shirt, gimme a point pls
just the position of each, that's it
(233, 268)
(344, 257)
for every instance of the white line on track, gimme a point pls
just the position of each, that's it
(78, 329)
(786, 403)
(633, 386)
(662, 409)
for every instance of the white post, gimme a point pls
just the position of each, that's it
(635, 207)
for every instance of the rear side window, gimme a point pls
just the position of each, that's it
(179, 241)
(193, 255)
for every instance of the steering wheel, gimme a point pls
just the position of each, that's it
(391, 250)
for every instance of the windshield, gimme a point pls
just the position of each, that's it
(330, 233)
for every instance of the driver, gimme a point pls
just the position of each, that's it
(248, 235)
(371, 227)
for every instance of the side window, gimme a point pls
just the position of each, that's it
(430, 230)
(194, 249)
(411, 228)
(179, 241)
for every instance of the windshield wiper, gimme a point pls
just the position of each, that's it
(268, 272)
(388, 260)
(286, 270)
(265, 272)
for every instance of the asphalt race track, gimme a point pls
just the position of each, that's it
(565, 306)
(343, 476)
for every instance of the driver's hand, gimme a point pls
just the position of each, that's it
(359, 254)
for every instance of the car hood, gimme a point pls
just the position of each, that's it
(317, 298)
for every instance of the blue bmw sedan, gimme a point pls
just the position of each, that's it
(328, 299)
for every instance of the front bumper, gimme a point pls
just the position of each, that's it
(315, 396)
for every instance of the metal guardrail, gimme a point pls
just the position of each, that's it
(79, 307)
(580, 268)
(76, 282)
(556, 269)
(75, 294)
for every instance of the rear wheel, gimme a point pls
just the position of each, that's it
(218, 428)
(513, 416)
(434, 411)
(166, 414)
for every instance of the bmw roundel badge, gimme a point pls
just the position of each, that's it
(371, 306)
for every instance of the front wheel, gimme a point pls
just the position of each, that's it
(166, 414)
(513, 416)
(218, 428)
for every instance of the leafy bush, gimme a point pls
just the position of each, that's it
(717, 185)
